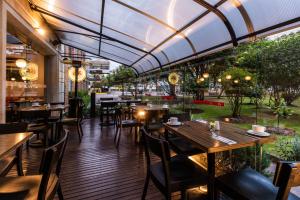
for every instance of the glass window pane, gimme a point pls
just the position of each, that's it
(270, 12)
(177, 48)
(124, 37)
(60, 25)
(121, 46)
(119, 51)
(86, 13)
(161, 55)
(171, 12)
(82, 46)
(115, 58)
(127, 21)
(208, 32)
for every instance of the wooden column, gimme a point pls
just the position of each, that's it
(3, 31)
(52, 69)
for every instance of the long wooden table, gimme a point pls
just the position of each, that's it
(199, 134)
(14, 142)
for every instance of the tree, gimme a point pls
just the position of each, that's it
(236, 87)
(277, 65)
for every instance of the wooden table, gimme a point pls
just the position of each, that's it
(14, 142)
(198, 133)
(41, 108)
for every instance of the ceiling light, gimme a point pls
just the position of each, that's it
(41, 31)
(21, 63)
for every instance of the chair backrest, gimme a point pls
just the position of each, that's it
(51, 164)
(13, 128)
(118, 116)
(287, 175)
(161, 149)
(34, 115)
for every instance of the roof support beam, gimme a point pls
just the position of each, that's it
(246, 17)
(226, 22)
(158, 21)
(41, 10)
(136, 72)
(98, 37)
(254, 34)
(101, 24)
(180, 30)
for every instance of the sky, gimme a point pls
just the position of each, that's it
(113, 65)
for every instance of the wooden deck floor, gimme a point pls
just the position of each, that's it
(95, 169)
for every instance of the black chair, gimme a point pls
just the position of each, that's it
(170, 174)
(248, 184)
(154, 120)
(75, 121)
(107, 113)
(40, 187)
(7, 163)
(37, 123)
(179, 144)
(124, 123)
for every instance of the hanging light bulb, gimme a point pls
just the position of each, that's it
(236, 81)
(248, 78)
(21, 63)
(219, 80)
(12, 79)
(228, 77)
(205, 75)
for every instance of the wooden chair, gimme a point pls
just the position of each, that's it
(170, 174)
(107, 113)
(7, 163)
(179, 144)
(154, 120)
(40, 187)
(37, 123)
(248, 184)
(77, 121)
(124, 123)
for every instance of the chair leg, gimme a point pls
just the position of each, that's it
(183, 194)
(146, 186)
(80, 126)
(78, 132)
(119, 136)
(19, 161)
(59, 193)
(168, 196)
(116, 133)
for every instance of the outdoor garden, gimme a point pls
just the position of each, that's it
(255, 83)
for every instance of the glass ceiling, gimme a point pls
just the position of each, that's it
(151, 34)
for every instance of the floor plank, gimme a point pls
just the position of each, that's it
(94, 169)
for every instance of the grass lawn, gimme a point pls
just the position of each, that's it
(265, 117)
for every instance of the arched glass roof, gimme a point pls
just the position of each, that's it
(150, 34)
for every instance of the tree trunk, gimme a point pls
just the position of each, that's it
(200, 94)
(172, 90)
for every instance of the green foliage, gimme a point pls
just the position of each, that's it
(236, 88)
(277, 65)
(86, 98)
(281, 110)
(119, 76)
(288, 149)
